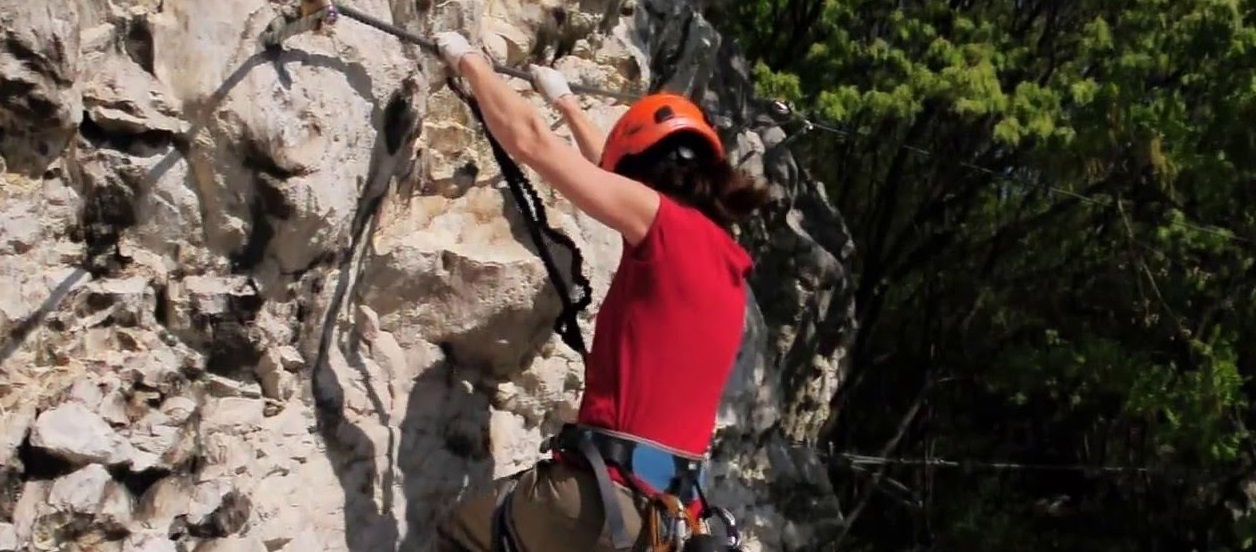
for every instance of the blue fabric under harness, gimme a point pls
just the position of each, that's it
(666, 472)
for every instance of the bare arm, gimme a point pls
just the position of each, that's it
(588, 136)
(618, 202)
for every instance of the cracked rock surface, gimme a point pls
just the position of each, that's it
(281, 301)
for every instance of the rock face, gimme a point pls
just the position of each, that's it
(278, 300)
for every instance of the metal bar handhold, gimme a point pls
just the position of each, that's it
(430, 46)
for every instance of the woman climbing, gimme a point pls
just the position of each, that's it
(666, 335)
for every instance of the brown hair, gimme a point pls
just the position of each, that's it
(684, 167)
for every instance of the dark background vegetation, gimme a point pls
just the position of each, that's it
(1069, 274)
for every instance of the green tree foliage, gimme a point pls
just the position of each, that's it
(1071, 270)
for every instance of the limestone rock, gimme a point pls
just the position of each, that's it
(157, 369)
(226, 387)
(216, 510)
(14, 426)
(233, 544)
(233, 414)
(8, 538)
(19, 230)
(274, 372)
(30, 506)
(39, 65)
(148, 541)
(125, 99)
(164, 501)
(208, 295)
(161, 440)
(125, 301)
(91, 492)
(76, 434)
(87, 393)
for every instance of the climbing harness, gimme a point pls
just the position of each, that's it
(671, 480)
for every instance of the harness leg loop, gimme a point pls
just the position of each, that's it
(610, 497)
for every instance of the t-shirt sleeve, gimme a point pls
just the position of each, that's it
(654, 245)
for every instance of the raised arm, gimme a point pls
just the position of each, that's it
(588, 136)
(618, 202)
(554, 88)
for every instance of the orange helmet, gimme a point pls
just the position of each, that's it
(650, 120)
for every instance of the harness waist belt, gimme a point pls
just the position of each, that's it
(660, 469)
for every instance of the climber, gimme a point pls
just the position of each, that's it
(666, 335)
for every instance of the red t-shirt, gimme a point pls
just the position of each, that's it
(668, 332)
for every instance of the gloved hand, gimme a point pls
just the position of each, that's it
(452, 47)
(551, 83)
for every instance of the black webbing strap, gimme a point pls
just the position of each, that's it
(567, 325)
(503, 529)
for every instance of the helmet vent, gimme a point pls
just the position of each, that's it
(664, 113)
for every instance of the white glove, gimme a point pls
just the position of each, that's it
(551, 83)
(452, 47)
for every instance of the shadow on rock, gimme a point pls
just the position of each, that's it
(369, 522)
(22, 330)
(350, 450)
(445, 449)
